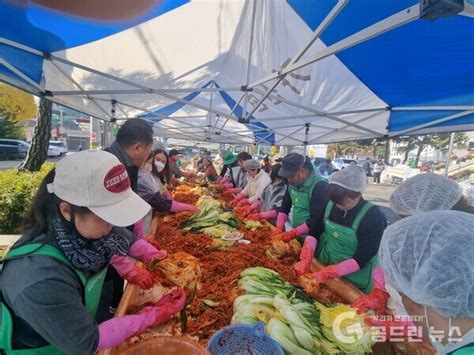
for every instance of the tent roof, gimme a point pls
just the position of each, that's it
(194, 68)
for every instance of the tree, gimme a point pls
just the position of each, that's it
(38, 151)
(15, 106)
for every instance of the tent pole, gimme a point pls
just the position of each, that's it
(399, 19)
(323, 25)
(450, 150)
(323, 114)
(249, 61)
(346, 126)
(432, 123)
(231, 112)
(81, 89)
(434, 108)
(209, 132)
(20, 74)
(141, 91)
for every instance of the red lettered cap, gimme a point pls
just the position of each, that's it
(117, 180)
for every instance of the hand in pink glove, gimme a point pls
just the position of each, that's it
(234, 190)
(116, 330)
(376, 300)
(296, 232)
(242, 202)
(281, 220)
(145, 252)
(140, 277)
(288, 236)
(236, 200)
(254, 206)
(263, 215)
(344, 268)
(181, 207)
(306, 255)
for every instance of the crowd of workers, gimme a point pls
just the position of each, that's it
(90, 212)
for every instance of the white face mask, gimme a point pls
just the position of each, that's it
(455, 343)
(159, 165)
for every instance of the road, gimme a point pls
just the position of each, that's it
(11, 164)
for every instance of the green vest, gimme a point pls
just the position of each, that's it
(301, 198)
(92, 292)
(339, 243)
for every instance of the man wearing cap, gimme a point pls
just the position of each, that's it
(174, 162)
(306, 194)
(258, 179)
(352, 230)
(132, 147)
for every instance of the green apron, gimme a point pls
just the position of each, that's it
(301, 199)
(468, 350)
(339, 243)
(92, 292)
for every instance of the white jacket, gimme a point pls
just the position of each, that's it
(256, 185)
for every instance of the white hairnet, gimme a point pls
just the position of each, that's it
(425, 192)
(352, 178)
(429, 257)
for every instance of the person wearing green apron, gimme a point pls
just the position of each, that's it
(306, 196)
(352, 230)
(428, 260)
(52, 278)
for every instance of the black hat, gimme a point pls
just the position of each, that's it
(173, 152)
(290, 165)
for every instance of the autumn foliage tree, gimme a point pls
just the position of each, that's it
(15, 107)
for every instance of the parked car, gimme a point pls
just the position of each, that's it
(60, 145)
(14, 148)
(54, 151)
(341, 163)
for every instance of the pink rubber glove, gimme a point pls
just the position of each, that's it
(138, 229)
(306, 255)
(180, 207)
(378, 278)
(242, 202)
(145, 252)
(296, 232)
(235, 190)
(223, 180)
(344, 268)
(281, 220)
(256, 205)
(263, 215)
(227, 185)
(377, 299)
(141, 277)
(116, 330)
(236, 200)
(122, 264)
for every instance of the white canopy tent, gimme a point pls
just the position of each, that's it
(236, 71)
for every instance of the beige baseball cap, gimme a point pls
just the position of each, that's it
(97, 180)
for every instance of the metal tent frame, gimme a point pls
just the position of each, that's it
(182, 126)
